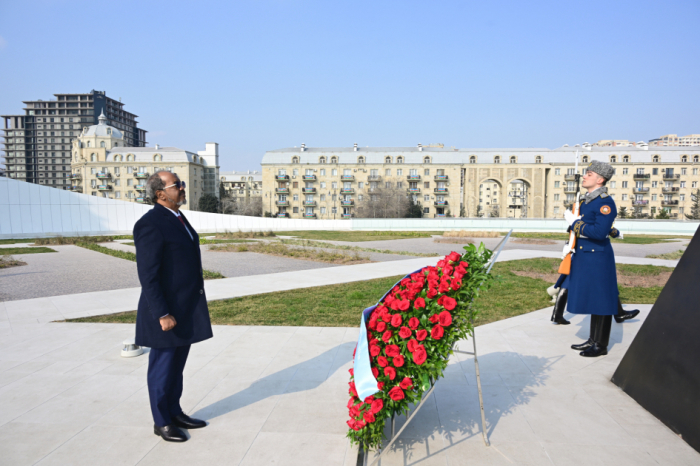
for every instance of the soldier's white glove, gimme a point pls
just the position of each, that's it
(620, 236)
(565, 251)
(570, 217)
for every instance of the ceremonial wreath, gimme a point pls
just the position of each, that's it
(410, 334)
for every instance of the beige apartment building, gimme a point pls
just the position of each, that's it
(674, 140)
(102, 164)
(242, 185)
(329, 183)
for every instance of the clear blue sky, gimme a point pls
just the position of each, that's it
(261, 75)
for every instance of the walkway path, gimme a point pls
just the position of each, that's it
(42, 310)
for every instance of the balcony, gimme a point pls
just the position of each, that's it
(282, 177)
(282, 203)
(347, 191)
(670, 190)
(309, 203)
(282, 215)
(309, 215)
(669, 203)
(76, 176)
(282, 190)
(308, 190)
(141, 199)
(440, 215)
(140, 187)
(347, 178)
(309, 177)
(103, 176)
(141, 175)
(374, 178)
(568, 177)
(644, 202)
(640, 190)
(518, 194)
(441, 177)
(640, 177)
(345, 215)
(440, 190)
(414, 190)
(413, 177)
(104, 187)
(440, 203)
(671, 177)
(76, 189)
(349, 203)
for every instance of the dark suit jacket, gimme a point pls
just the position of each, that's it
(169, 265)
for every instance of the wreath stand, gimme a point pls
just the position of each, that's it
(363, 457)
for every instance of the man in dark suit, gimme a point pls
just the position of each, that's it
(172, 312)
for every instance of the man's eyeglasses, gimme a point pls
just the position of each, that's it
(177, 184)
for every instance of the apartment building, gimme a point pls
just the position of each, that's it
(37, 143)
(241, 184)
(103, 164)
(307, 182)
(674, 140)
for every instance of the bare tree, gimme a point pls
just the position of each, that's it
(384, 202)
(251, 207)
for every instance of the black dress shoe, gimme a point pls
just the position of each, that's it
(186, 422)
(583, 346)
(170, 433)
(594, 351)
(626, 315)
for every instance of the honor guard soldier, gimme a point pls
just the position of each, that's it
(592, 283)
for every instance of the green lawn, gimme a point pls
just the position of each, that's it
(12, 251)
(213, 241)
(340, 305)
(357, 236)
(628, 239)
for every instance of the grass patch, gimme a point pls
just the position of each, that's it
(59, 240)
(9, 261)
(222, 241)
(628, 239)
(10, 251)
(472, 234)
(244, 234)
(278, 249)
(675, 255)
(340, 305)
(130, 256)
(358, 236)
(344, 247)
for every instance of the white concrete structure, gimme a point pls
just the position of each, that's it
(30, 211)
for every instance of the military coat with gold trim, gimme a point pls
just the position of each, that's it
(592, 283)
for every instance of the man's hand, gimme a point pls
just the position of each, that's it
(620, 235)
(565, 251)
(167, 323)
(570, 217)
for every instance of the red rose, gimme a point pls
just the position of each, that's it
(395, 305)
(445, 318)
(396, 394)
(419, 304)
(369, 399)
(406, 383)
(444, 287)
(382, 361)
(396, 320)
(374, 350)
(421, 335)
(437, 332)
(441, 263)
(413, 322)
(351, 403)
(404, 305)
(419, 355)
(375, 372)
(464, 264)
(354, 411)
(412, 344)
(380, 385)
(373, 341)
(392, 351)
(352, 389)
(449, 303)
(368, 417)
(434, 318)
(352, 372)
(359, 425)
(372, 324)
(405, 332)
(390, 372)
(456, 284)
(353, 351)
(447, 270)
(432, 292)
(386, 336)
(377, 406)
(398, 361)
(381, 326)
(352, 424)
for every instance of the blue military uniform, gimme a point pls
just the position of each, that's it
(592, 283)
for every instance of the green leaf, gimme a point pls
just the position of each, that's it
(424, 382)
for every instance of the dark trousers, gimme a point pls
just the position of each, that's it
(165, 367)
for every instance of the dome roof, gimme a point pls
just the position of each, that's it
(102, 129)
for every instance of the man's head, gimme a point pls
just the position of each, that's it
(597, 174)
(166, 189)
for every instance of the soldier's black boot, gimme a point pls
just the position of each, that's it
(559, 305)
(588, 343)
(623, 315)
(601, 337)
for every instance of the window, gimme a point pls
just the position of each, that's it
(654, 184)
(682, 197)
(512, 159)
(654, 171)
(585, 159)
(361, 184)
(334, 185)
(102, 144)
(684, 159)
(613, 159)
(295, 159)
(334, 172)
(295, 210)
(694, 184)
(93, 158)
(426, 159)
(323, 197)
(426, 185)
(399, 184)
(426, 198)
(695, 171)
(322, 160)
(624, 197)
(538, 159)
(323, 210)
(387, 172)
(624, 184)
(557, 171)
(323, 172)
(497, 159)
(655, 158)
(472, 159)
(682, 184)
(334, 210)
(399, 159)
(399, 172)
(556, 210)
(696, 158)
(323, 184)
(334, 159)
(426, 210)
(556, 184)
(387, 184)
(360, 159)
(387, 159)
(625, 171)
(295, 197)
(613, 184)
(684, 171)
(680, 210)
(556, 197)
(626, 158)
(653, 197)
(426, 172)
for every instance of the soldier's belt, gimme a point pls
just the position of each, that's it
(586, 237)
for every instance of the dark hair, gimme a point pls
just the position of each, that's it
(153, 185)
